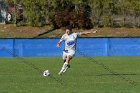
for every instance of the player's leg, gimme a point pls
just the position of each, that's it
(65, 54)
(64, 64)
(64, 60)
(67, 57)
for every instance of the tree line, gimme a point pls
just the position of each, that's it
(78, 13)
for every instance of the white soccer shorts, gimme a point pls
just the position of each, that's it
(68, 53)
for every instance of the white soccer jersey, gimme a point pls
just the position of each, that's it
(70, 40)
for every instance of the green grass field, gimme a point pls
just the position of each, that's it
(85, 76)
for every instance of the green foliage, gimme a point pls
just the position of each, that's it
(78, 13)
(75, 14)
(9, 1)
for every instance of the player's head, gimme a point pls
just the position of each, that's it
(68, 30)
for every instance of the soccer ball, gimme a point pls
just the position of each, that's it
(46, 73)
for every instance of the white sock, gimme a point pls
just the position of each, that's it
(64, 66)
(65, 69)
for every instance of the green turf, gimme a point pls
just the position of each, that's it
(106, 75)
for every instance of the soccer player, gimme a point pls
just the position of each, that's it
(70, 45)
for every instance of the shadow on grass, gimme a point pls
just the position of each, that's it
(124, 74)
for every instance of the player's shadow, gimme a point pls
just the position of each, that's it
(123, 74)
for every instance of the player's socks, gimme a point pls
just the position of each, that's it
(63, 68)
(68, 66)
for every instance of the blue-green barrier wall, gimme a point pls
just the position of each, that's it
(85, 47)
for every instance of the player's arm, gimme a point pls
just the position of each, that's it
(61, 40)
(88, 32)
(59, 43)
